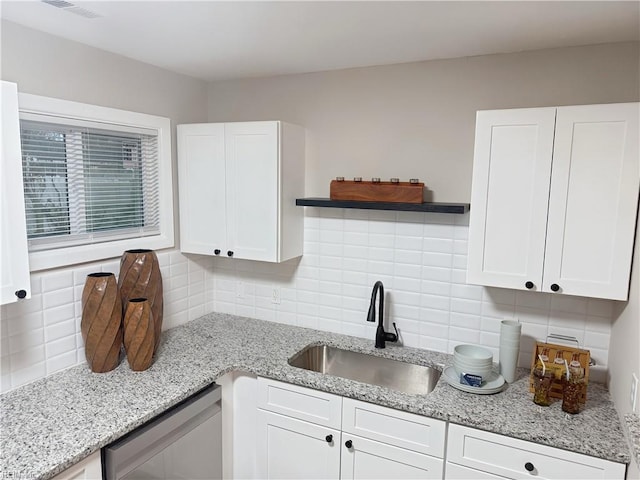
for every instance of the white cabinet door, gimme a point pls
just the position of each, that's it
(252, 160)
(88, 469)
(14, 255)
(593, 200)
(555, 215)
(238, 183)
(288, 448)
(202, 188)
(367, 459)
(511, 171)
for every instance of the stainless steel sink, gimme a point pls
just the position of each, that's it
(385, 372)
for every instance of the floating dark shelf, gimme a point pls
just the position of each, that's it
(434, 207)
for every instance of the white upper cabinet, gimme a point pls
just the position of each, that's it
(555, 197)
(14, 255)
(238, 184)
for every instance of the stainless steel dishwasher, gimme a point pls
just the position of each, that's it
(185, 442)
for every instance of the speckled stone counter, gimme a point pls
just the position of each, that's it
(632, 424)
(50, 424)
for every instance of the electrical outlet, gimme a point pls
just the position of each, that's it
(633, 394)
(275, 295)
(240, 289)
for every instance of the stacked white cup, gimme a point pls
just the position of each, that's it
(509, 348)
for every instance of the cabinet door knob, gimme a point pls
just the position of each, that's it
(555, 287)
(21, 293)
(529, 285)
(229, 253)
(329, 438)
(217, 251)
(529, 467)
(348, 444)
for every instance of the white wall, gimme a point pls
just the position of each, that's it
(43, 64)
(416, 120)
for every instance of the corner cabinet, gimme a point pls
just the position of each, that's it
(555, 199)
(307, 434)
(238, 184)
(14, 255)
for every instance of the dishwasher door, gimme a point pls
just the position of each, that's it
(182, 443)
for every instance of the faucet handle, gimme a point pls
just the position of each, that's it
(392, 337)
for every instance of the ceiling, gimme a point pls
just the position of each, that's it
(216, 40)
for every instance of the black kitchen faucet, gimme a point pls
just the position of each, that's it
(381, 335)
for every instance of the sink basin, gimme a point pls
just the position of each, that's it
(401, 376)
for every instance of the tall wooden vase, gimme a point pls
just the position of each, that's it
(140, 278)
(139, 334)
(101, 323)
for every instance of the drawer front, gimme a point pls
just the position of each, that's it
(402, 429)
(510, 457)
(299, 402)
(370, 460)
(453, 471)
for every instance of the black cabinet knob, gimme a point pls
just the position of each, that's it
(529, 285)
(229, 253)
(217, 251)
(329, 438)
(555, 287)
(348, 444)
(529, 467)
(21, 293)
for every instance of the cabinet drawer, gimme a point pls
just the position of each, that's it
(402, 429)
(299, 402)
(370, 460)
(458, 472)
(507, 457)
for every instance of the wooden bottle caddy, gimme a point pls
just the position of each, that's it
(551, 350)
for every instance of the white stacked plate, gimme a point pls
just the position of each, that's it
(493, 384)
(474, 360)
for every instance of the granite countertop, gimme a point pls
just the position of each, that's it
(49, 425)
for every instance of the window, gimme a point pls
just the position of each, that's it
(97, 181)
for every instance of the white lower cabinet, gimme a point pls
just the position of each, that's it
(88, 469)
(306, 434)
(294, 449)
(473, 454)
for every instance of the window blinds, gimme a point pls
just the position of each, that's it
(88, 182)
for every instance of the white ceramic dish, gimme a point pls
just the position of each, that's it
(472, 353)
(494, 383)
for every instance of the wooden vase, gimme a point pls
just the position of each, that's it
(139, 334)
(101, 323)
(140, 277)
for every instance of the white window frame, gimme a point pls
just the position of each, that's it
(65, 256)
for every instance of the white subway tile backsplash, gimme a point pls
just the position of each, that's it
(25, 341)
(533, 299)
(421, 258)
(568, 303)
(57, 281)
(442, 260)
(60, 362)
(21, 324)
(59, 330)
(59, 314)
(61, 346)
